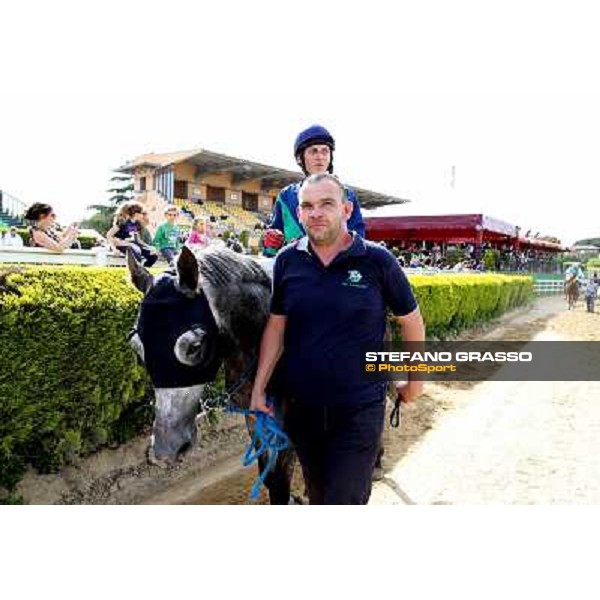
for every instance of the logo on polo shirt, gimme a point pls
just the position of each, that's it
(354, 276)
(354, 279)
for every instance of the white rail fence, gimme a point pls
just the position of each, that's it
(103, 257)
(543, 287)
(100, 257)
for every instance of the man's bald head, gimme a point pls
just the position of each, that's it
(319, 178)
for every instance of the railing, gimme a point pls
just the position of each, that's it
(95, 257)
(11, 205)
(548, 286)
(430, 271)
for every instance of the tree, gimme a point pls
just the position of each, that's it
(588, 242)
(491, 258)
(121, 190)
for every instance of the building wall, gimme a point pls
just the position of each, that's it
(233, 196)
(222, 180)
(265, 203)
(148, 174)
(185, 172)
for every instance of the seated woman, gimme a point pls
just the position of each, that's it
(126, 233)
(44, 233)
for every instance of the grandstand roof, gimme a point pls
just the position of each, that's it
(207, 162)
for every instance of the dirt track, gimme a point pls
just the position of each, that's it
(505, 442)
(461, 442)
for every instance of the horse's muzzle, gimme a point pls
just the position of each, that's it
(174, 429)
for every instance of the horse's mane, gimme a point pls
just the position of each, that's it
(238, 291)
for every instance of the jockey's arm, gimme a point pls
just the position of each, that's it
(355, 222)
(276, 221)
(271, 349)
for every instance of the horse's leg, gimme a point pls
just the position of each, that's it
(278, 482)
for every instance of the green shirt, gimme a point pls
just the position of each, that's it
(167, 236)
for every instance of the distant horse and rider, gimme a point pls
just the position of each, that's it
(573, 278)
(572, 291)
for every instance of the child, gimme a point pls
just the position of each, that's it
(125, 233)
(166, 238)
(199, 236)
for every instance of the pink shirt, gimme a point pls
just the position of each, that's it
(198, 238)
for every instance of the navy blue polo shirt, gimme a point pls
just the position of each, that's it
(331, 311)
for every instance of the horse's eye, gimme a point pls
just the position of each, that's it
(190, 347)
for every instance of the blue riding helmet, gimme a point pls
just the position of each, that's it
(315, 134)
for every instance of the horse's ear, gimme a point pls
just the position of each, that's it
(140, 277)
(187, 269)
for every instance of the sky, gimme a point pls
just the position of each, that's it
(520, 129)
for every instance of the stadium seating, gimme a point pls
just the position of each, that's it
(237, 217)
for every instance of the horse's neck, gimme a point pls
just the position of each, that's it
(237, 366)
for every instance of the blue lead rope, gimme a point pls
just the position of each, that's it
(268, 438)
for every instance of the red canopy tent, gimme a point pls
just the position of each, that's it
(450, 229)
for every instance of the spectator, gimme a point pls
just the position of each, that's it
(233, 243)
(145, 234)
(414, 262)
(187, 212)
(43, 232)
(126, 233)
(199, 236)
(166, 238)
(12, 238)
(591, 293)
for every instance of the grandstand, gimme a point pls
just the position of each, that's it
(11, 211)
(233, 217)
(237, 193)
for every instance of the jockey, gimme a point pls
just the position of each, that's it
(313, 150)
(574, 272)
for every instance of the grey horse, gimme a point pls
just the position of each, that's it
(212, 311)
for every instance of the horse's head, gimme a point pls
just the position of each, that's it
(215, 307)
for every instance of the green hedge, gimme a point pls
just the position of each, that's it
(69, 382)
(451, 303)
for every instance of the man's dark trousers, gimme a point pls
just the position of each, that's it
(337, 447)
